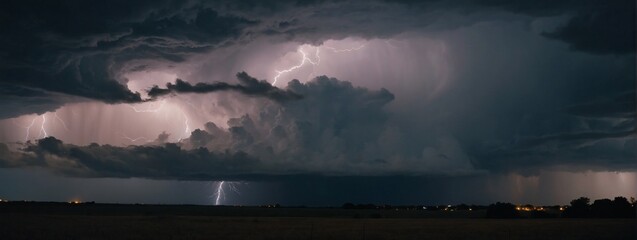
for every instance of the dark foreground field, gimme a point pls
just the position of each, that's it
(217, 223)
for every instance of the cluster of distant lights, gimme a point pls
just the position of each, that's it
(532, 208)
(450, 208)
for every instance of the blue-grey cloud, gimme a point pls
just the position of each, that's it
(167, 161)
(81, 49)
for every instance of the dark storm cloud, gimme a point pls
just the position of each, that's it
(82, 48)
(51, 52)
(613, 149)
(248, 85)
(336, 129)
(14, 100)
(167, 161)
(333, 130)
(622, 106)
(601, 27)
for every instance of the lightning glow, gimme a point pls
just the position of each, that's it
(61, 121)
(156, 108)
(221, 190)
(133, 139)
(150, 109)
(186, 132)
(26, 138)
(42, 130)
(304, 60)
(219, 193)
(345, 49)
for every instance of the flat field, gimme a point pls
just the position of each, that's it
(145, 224)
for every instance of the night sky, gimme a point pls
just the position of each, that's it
(246, 102)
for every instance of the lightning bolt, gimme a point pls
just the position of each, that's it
(220, 190)
(219, 194)
(154, 108)
(62, 121)
(26, 138)
(304, 60)
(133, 139)
(42, 130)
(187, 129)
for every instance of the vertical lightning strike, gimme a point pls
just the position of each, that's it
(154, 108)
(304, 60)
(219, 193)
(26, 138)
(42, 133)
(318, 60)
(62, 121)
(222, 187)
(187, 129)
(42, 130)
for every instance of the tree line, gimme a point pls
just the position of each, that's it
(619, 207)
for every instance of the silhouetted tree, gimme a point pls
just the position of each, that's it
(619, 207)
(501, 210)
(579, 208)
(602, 208)
(622, 208)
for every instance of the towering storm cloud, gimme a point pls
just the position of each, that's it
(260, 90)
(335, 129)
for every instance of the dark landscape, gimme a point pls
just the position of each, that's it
(41, 220)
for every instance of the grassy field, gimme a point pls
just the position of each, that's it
(113, 222)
